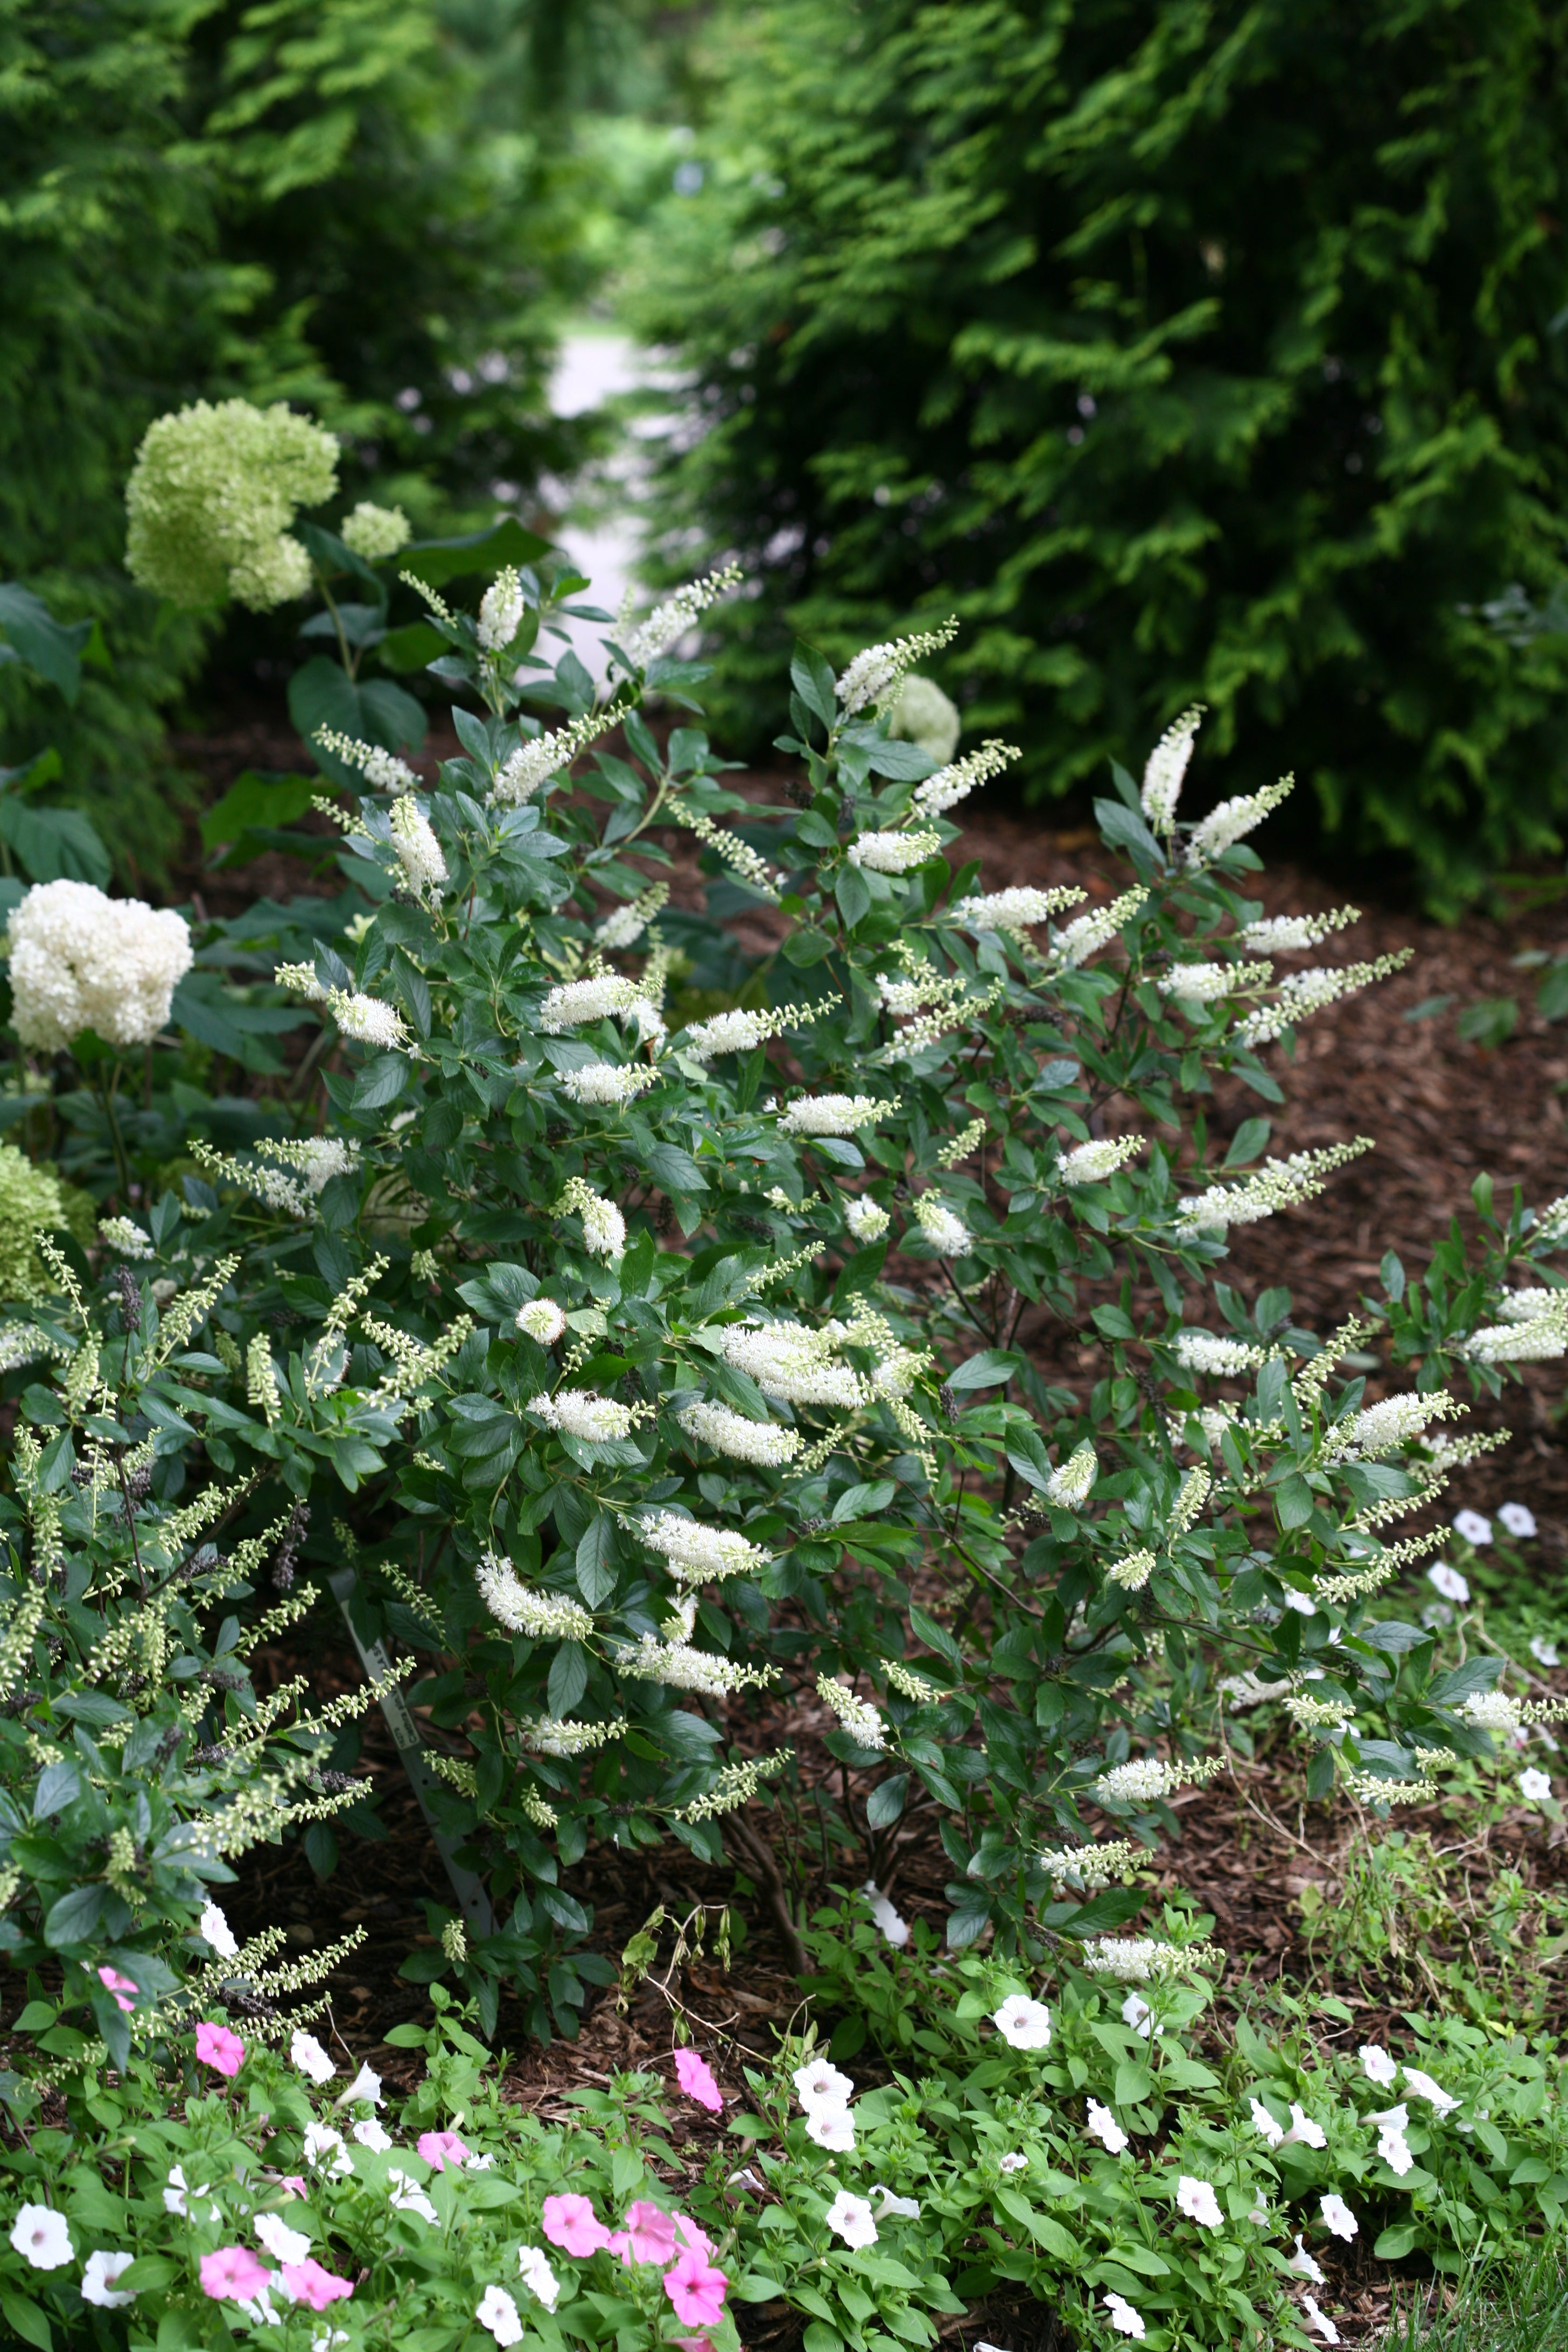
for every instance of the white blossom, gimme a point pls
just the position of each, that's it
(851, 2218)
(366, 2085)
(1376, 2064)
(537, 760)
(179, 2190)
(728, 1033)
(672, 620)
(1535, 1787)
(573, 1002)
(1196, 2199)
(1475, 1529)
(284, 2244)
(761, 1441)
(542, 1616)
(1543, 1652)
(603, 1227)
(700, 1554)
(1319, 2320)
(1011, 910)
(873, 673)
(1448, 1581)
(1303, 2266)
(1071, 1483)
(1224, 826)
(832, 1114)
(1294, 934)
(99, 2277)
(383, 770)
(1105, 2129)
(832, 2128)
(1137, 2014)
(1132, 1572)
(371, 2135)
(944, 1228)
(40, 2235)
(954, 783)
(788, 1360)
(1263, 2122)
(1091, 1163)
(607, 1082)
(1519, 1520)
(501, 608)
(1302, 994)
(1023, 2023)
(890, 1924)
(498, 2313)
(323, 2145)
(543, 1320)
(1491, 1711)
(1200, 1352)
(1421, 2086)
(866, 1218)
(307, 2054)
(1206, 984)
(419, 853)
(546, 1737)
(1012, 2163)
(1163, 775)
(406, 2196)
(1392, 2145)
(1121, 2315)
(584, 1413)
(215, 1929)
(1338, 2219)
(366, 1020)
(82, 961)
(1538, 1341)
(681, 1667)
(893, 852)
(819, 2083)
(374, 532)
(125, 1237)
(860, 1719)
(1278, 1184)
(1088, 934)
(533, 2265)
(1143, 1959)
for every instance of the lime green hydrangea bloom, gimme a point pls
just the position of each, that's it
(33, 1201)
(214, 493)
(374, 532)
(923, 715)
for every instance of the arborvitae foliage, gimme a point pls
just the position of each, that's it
(1192, 349)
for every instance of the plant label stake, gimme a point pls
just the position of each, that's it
(472, 1901)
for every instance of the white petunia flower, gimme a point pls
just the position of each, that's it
(1338, 2219)
(1105, 2129)
(1377, 2066)
(893, 1928)
(819, 2083)
(41, 2236)
(306, 2052)
(1519, 1520)
(1198, 2200)
(851, 2218)
(1262, 2121)
(1422, 2086)
(1023, 2023)
(1392, 2145)
(1319, 2320)
(498, 2313)
(406, 2196)
(1543, 1652)
(320, 2143)
(832, 2128)
(1122, 2318)
(1137, 2014)
(97, 2280)
(1303, 2266)
(366, 2085)
(371, 2135)
(1303, 2131)
(1535, 1787)
(215, 1929)
(1012, 2162)
(179, 2190)
(284, 2244)
(1475, 1529)
(1449, 1583)
(533, 2264)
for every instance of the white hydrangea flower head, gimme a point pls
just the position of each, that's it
(952, 784)
(832, 1114)
(542, 1616)
(501, 608)
(866, 1218)
(373, 533)
(873, 673)
(419, 853)
(80, 960)
(1013, 910)
(606, 1084)
(213, 494)
(1091, 1164)
(1165, 771)
(893, 852)
(921, 714)
(727, 1432)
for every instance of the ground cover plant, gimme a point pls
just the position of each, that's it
(625, 1327)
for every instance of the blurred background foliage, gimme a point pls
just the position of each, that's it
(1189, 350)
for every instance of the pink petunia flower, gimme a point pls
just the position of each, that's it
(233, 2275)
(696, 2290)
(306, 2281)
(650, 2232)
(118, 1986)
(692, 2236)
(217, 2047)
(293, 2182)
(571, 2223)
(441, 2148)
(696, 2079)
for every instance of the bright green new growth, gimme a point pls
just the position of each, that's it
(213, 499)
(32, 1201)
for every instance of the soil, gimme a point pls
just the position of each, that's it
(1443, 1110)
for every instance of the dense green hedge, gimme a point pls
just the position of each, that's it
(326, 201)
(1193, 348)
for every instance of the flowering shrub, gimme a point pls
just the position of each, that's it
(664, 1348)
